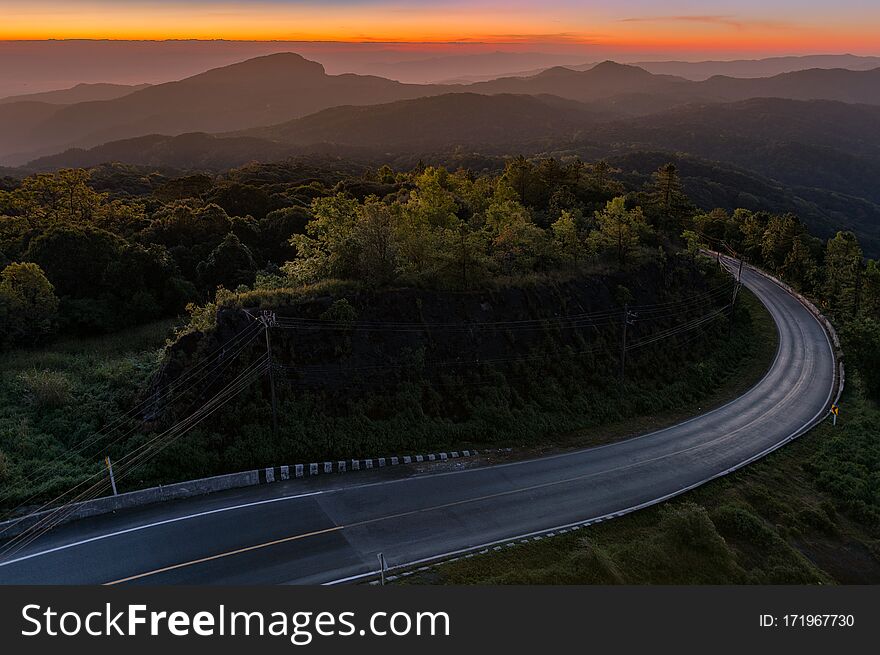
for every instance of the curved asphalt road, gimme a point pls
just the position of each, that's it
(326, 530)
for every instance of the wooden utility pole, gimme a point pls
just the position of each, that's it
(628, 319)
(857, 296)
(109, 465)
(268, 319)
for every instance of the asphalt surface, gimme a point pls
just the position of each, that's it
(329, 530)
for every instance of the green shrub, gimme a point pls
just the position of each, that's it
(46, 389)
(740, 523)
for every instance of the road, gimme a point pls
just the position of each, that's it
(330, 530)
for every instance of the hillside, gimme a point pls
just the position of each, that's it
(818, 158)
(610, 80)
(813, 84)
(602, 81)
(766, 67)
(277, 88)
(437, 122)
(78, 93)
(255, 92)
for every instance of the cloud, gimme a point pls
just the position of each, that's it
(556, 37)
(712, 19)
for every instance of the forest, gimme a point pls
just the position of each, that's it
(90, 252)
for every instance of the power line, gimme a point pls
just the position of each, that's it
(166, 396)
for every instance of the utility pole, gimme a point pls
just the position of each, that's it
(112, 477)
(268, 319)
(857, 296)
(628, 319)
(382, 567)
(736, 288)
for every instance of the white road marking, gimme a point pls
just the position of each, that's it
(147, 526)
(699, 446)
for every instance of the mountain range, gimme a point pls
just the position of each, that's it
(277, 88)
(807, 139)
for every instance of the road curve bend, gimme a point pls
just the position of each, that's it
(323, 531)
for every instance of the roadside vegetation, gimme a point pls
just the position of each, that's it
(806, 514)
(58, 396)
(114, 255)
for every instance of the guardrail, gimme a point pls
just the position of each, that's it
(204, 486)
(840, 373)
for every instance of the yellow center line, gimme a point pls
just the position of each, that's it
(429, 509)
(220, 555)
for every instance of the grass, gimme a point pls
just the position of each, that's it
(808, 513)
(55, 397)
(738, 378)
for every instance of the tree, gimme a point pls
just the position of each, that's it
(712, 226)
(669, 206)
(75, 259)
(241, 200)
(519, 246)
(778, 240)
(276, 230)
(431, 200)
(189, 233)
(752, 227)
(374, 236)
(327, 249)
(600, 181)
(519, 175)
(61, 197)
(29, 303)
(871, 302)
(567, 241)
(619, 229)
(229, 265)
(843, 259)
(800, 268)
(464, 249)
(861, 340)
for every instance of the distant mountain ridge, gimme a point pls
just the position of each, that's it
(767, 67)
(826, 153)
(78, 93)
(276, 88)
(440, 121)
(255, 92)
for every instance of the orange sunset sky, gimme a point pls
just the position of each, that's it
(745, 26)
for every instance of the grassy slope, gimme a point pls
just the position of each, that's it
(53, 398)
(744, 373)
(808, 513)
